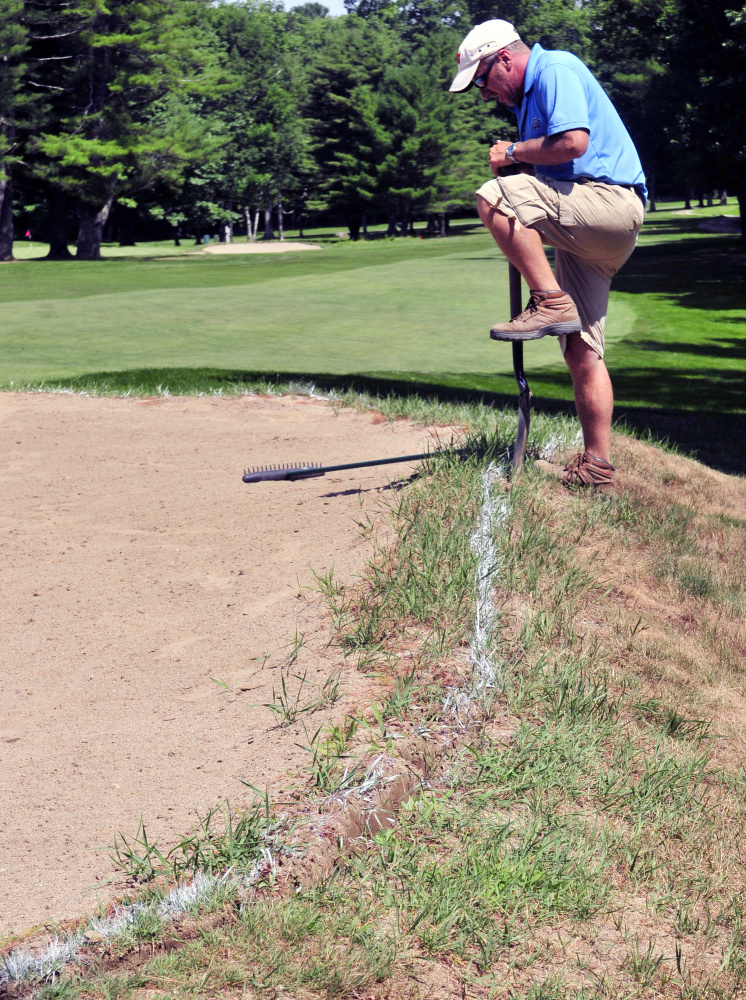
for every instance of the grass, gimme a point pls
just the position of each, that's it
(144, 321)
(583, 837)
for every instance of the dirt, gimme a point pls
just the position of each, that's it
(150, 602)
(260, 247)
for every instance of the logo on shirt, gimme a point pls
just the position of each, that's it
(536, 124)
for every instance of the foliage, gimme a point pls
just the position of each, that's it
(196, 115)
(13, 102)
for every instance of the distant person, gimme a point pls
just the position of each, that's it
(580, 189)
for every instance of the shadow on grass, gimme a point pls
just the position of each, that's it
(694, 272)
(714, 438)
(724, 349)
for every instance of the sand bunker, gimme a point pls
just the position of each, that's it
(284, 246)
(136, 567)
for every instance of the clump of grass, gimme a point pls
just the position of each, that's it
(222, 840)
(308, 697)
(417, 594)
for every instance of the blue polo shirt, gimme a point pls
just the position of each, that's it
(561, 93)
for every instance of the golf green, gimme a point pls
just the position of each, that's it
(421, 310)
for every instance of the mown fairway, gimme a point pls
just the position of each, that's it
(414, 306)
(399, 311)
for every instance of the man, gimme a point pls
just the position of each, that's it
(580, 189)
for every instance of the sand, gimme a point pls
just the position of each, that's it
(136, 567)
(283, 246)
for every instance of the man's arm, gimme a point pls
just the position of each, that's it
(548, 151)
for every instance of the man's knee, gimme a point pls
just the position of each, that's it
(581, 355)
(483, 208)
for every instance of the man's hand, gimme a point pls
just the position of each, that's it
(498, 159)
(549, 150)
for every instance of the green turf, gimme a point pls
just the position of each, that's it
(389, 312)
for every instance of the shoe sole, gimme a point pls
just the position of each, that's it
(553, 330)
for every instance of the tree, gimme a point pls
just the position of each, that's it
(13, 42)
(418, 173)
(105, 65)
(263, 138)
(556, 24)
(347, 137)
(706, 81)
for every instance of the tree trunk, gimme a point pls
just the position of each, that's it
(365, 225)
(269, 232)
(442, 224)
(91, 229)
(280, 220)
(353, 224)
(247, 220)
(256, 223)
(6, 219)
(391, 231)
(177, 236)
(58, 248)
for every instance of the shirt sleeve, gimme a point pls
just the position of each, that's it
(563, 99)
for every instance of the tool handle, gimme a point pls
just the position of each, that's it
(514, 284)
(524, 398)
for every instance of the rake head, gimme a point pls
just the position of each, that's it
(268, 473)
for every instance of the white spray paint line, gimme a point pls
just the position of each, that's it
(560, 441)
(18, 966)
(486, 673)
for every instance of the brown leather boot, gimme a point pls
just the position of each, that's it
(583, 470)
(551, 312)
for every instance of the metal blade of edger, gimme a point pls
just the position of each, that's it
(524, 397)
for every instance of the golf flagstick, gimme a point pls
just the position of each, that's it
(524, 397)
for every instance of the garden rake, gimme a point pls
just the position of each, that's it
(310, 470)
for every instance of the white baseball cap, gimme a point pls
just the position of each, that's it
(486, 38)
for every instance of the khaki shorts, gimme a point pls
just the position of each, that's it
(593, 227)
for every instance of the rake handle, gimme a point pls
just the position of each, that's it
(524, 393)
(300, 472)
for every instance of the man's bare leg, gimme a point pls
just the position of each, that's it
(594, 396)
(522, 246)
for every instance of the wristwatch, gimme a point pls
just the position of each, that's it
(510, 153)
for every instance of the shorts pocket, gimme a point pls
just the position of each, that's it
(530, 198)
(564, 191)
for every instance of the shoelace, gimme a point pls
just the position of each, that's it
(531, 306)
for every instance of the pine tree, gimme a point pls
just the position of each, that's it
(13, 42)
(105, 65)
(349, 140)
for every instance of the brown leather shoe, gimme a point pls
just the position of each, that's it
(583, 470)
(551, 312)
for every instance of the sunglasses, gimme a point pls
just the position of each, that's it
(481, 80)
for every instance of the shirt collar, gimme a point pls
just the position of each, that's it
(533, 64)
(531, 67)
